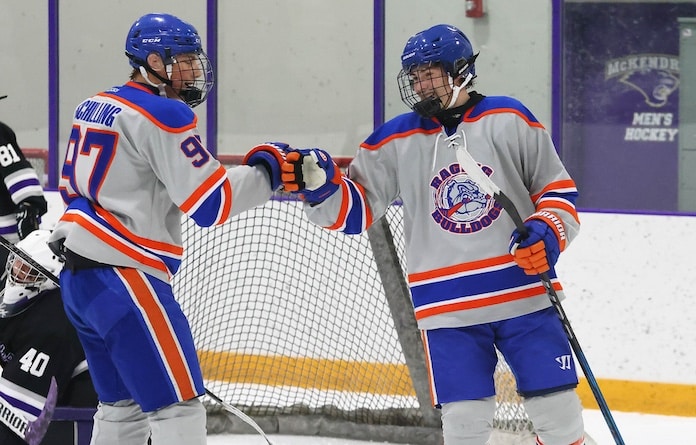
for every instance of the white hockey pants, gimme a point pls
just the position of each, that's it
(124, 423)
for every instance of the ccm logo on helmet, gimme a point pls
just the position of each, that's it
(408, 56)
(152, 40)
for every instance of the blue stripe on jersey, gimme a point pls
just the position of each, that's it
(469, 285)
(355, 223)
(83, 205)
(168, 112)
(568, 196)
(404, 123)
(208, 212)
(490, 103)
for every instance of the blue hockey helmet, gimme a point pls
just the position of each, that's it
(169, 36)
(444, 44)
(163, 34)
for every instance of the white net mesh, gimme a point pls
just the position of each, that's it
(291, 320)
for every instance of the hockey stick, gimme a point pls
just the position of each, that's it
(33, 431)
(472, 168)
(45, 272)
(239, 413)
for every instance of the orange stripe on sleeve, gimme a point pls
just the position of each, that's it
(563, 205)
(204, 188)
(564, 184)
(227, 201)
(343, 212)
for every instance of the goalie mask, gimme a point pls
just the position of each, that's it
(23, 282)
(176, 42)
(442, 50)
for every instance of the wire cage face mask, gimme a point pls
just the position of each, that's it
(197, 67)
(426, 106)
(23, 281)
(20, 273)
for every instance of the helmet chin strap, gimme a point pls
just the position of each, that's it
(160, 86)
(457, 89)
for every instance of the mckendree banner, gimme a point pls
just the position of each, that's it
(620, 111)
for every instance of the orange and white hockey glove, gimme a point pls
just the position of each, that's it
(311, 173)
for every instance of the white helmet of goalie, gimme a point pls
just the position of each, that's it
(23, 282)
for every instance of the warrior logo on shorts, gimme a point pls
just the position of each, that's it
(460, 205)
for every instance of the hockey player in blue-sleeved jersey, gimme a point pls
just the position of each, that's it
(135, 164)
(473, 279)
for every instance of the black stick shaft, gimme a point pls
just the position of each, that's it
(511, 210)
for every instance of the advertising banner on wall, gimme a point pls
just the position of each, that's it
(620, 91)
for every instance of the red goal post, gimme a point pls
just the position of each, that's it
(38, 157)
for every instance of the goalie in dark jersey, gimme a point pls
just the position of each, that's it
(38, 342)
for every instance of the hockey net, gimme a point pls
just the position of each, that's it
(299, 327)
(38, 158)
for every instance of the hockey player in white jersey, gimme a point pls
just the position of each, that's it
(473, 279)
(134, 165)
